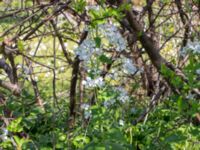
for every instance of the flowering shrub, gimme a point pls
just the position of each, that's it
(91, 83)
(191, 47)
(100, 75)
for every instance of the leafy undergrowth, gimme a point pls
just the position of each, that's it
(169, 126)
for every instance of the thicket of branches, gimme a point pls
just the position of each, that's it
(138, 54)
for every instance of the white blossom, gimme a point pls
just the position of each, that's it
(123, 98)
(109, 103)
(193, 47)
(198, 71)
(5, 131)
(87, 114)
(108, 31)
(36, 78)
(190, 96)
(95, 71)
(66, 44)
(85, 106)
(113, 35)
(87, 111)
(91, 83)
(4, 135)
(86, 49)
(129, 67)
(121, 122)
(93, 7)
(19, 66)
(123, 94)
(62, 69)
(31, 53)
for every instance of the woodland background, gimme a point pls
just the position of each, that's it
(100, 74)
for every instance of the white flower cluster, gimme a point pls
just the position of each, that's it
(109, 103)
(190, 96)
(87, 111)
(110, 32)
(85, 106)
(87, 49)
(91, 83)
(193, 47)
(128, 66)
(123, 94)
(4, 135)
(113, 35)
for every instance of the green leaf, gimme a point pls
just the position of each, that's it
(15, 125)
(103, 58)
(175, 138)
(17, 140)
(98, 42)
(20, 45)
(79, 5)
(80, 140)
(115, 146)
(125, 6)
(182, 104)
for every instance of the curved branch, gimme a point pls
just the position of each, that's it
(14, 88)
